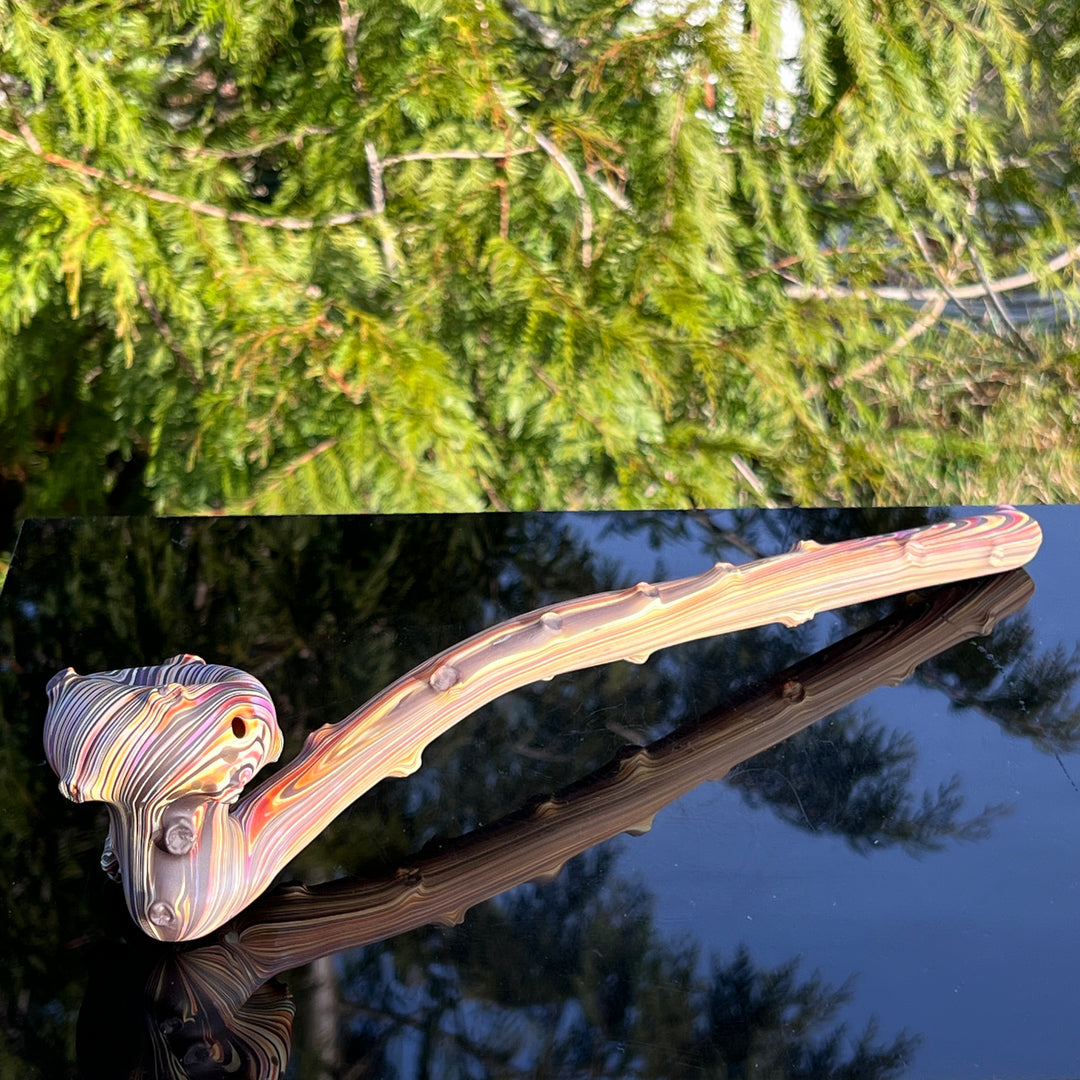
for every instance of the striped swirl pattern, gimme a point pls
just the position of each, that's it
(165, 731)
(163, 749)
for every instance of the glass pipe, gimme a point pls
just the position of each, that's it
(169, 748)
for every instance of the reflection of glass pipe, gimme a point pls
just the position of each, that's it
(170, 747)
(212, 1010)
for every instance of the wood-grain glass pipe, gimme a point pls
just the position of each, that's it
(169, 748)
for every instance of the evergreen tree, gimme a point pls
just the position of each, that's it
(436, 254)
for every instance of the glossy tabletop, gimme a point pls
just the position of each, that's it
(890, 891)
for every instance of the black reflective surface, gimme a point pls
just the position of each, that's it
(893, 891)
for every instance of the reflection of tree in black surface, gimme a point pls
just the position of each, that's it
(1029, 694)
(329, 611)
(570, 979)
(546, 976)
(849, 777)
(767, 1023)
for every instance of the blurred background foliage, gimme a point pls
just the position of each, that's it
(572, 975)
(465, 254)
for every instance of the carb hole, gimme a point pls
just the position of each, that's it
(239, 728)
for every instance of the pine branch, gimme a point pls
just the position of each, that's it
(254, 149)
(242, 217)
(571, 173)
(349, 24)
(248, 505)
(299, 224)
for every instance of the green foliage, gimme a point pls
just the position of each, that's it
(442, 255)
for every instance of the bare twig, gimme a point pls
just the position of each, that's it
(752, 479)
(993, 299)
(571, 173)
(945, 279)
(676, 127)
(349, 24)
(612, 194)
(1012, 335)
(375, 173)
(378, 204)
(254, 149)
(20, 122)
(300, 224)
(799, 291)
(567, 167)
(491, 493)
(502, 185)
(297, 463)
(929, 315)
(782, 263)
(457, 155)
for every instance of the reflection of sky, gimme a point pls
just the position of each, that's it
(976, 948)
